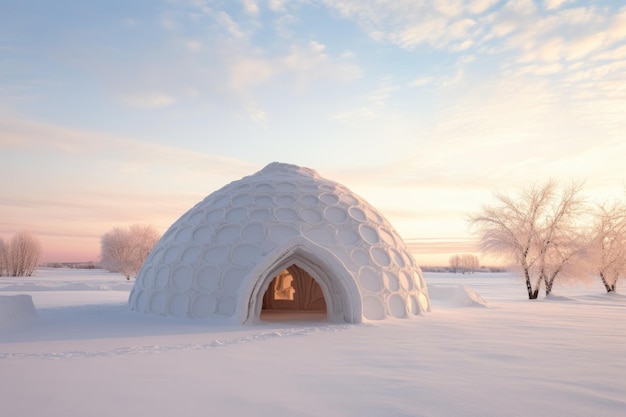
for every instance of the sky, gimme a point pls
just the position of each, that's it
(115, 112)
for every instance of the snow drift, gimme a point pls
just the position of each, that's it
(14, 308)
(458, 296)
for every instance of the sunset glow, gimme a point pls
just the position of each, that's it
(132, 112)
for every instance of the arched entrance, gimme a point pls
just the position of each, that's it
(308, 264)
(293, 294)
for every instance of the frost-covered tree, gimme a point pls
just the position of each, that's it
(464, 263)
(537, 230)
(606, 251)
(22, 254)
(455, 263)
(562, 239)
(3, 257)
(123, 250)
(469, 263)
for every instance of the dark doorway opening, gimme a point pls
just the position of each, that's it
(294, 295)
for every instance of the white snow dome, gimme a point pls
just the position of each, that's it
(283, 242)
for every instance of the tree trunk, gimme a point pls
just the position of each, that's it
(609, 287)
(549, 286)
(532, 294)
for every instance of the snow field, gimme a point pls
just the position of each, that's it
(562, 356)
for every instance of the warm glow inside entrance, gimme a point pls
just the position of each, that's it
(293, 295)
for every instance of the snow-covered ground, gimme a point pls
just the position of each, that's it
(483, 351)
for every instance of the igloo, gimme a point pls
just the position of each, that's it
(284, 240)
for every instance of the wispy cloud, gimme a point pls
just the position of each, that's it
(35, 136)
(549, 33)
(149, 100)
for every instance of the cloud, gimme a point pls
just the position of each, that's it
(480, 6)
(309, 63)
(149, 100)
(555, 4)
(420, 82)
(548, 34)
(251, 7)
(374, 104)
(431, 246)
(407, 23)
(34, 137)
(212, 57)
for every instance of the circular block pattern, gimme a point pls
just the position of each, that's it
(207, 278)
(209, 261)
(236, 215)
(214, 216)
(373, 308)
(282, 232)
(227, 234)
(242, 200)
(360, 257)
(157, 302)
(203, 234)
(369, 234)
(391, 281)
(232, 279)
(285, 200)
(216, 255)
(311, 216)
(203, 306)
(246, 254)
(179, 305)
(182, 277)
(284, 214)
(162, 277)
(191, 254)
(370, 279)
(335, 215)
(253, 233)
(397, 306)
(184, 234)
(357, 214)
(380, 256)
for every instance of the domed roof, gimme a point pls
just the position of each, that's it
(218, 259)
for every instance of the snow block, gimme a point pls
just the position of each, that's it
(15, 308)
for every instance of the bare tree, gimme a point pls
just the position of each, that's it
(22, 254)
(536, 230)
(3, 257)
(469, 263)
(123, 250)
(561, 238)
(464, 263)
(144, 237)
(607, 247)
(455, 263)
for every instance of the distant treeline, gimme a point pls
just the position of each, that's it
(482, 269)
(71, 265)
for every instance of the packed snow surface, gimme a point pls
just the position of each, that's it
(87, 354)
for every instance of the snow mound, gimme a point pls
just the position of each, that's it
(15, 308)
(458, 296)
